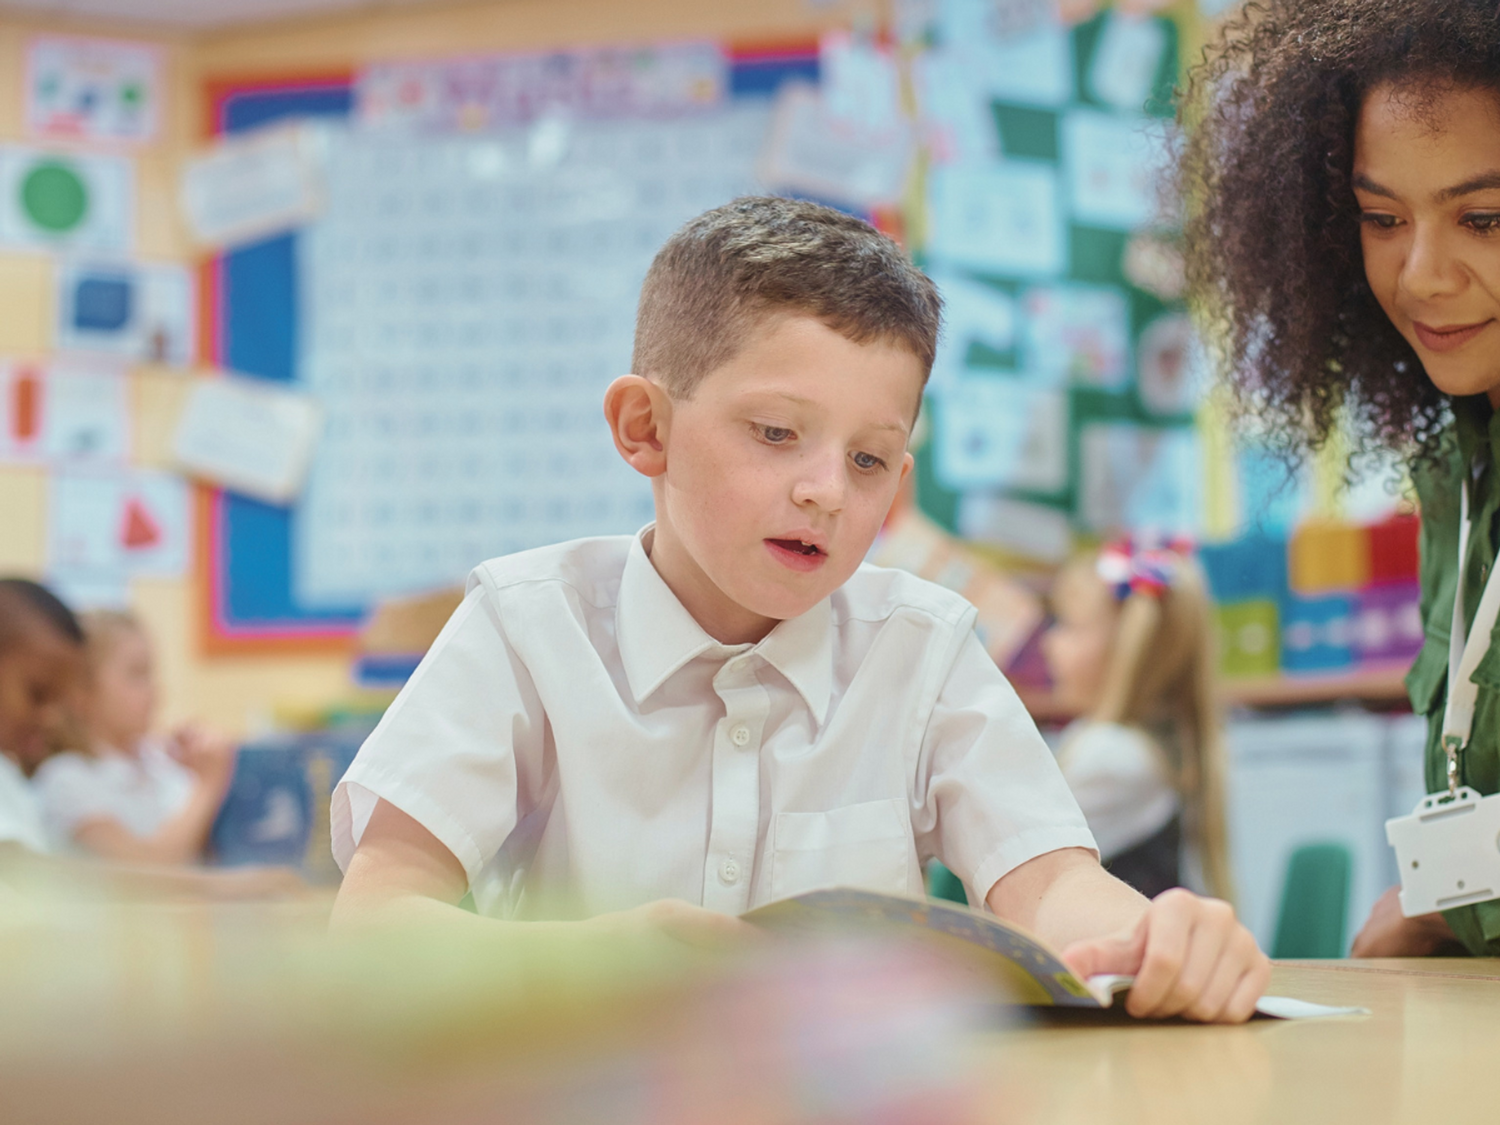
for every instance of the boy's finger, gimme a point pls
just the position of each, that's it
(1170, 922)
(1250, 988)
(1241, 955)
(1120, 954)
(1212, 926)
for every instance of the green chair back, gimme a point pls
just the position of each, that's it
(943, 884)
(1314, 903)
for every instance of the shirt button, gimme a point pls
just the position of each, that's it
(729, 873)
(740, 735)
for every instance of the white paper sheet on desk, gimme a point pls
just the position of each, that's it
(255, 185)
(1108, 985)
(248, 435)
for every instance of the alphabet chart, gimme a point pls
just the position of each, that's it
(466, 299)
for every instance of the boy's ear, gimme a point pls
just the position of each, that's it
(639, 413)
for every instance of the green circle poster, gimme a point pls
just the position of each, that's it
(54, 197)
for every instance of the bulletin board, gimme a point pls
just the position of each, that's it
(1063, 400)
(249, 549)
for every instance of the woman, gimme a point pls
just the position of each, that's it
(1342, 175)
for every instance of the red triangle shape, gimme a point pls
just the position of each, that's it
(139, 530)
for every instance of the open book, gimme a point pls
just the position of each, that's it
(979, 945)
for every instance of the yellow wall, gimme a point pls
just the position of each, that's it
(237, 693)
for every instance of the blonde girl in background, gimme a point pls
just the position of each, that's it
(1132, 653)
(128, 795)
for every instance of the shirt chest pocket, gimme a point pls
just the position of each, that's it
(868, 845)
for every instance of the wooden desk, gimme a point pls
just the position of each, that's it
(1430, 1019)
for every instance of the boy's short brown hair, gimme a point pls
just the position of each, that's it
(719, 275)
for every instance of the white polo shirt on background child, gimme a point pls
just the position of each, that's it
(573, 719)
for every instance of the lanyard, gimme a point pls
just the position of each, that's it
(1465, 650)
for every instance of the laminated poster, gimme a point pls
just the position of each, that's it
(63, 414)
(104, 529)
(1114, 165)
(65, 200)
(998, 218)
(139, 312)
(93, 90)
(1001, 431)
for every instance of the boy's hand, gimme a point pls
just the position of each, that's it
(681, 921)
(1189, 956)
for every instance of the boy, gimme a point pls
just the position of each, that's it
(728, 708)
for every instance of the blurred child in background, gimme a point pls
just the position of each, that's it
(128, 795)
(1131, 653)
(41, 661)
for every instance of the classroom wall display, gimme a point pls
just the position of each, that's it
(245, 189)
(1046, 144)
(146, 312)
(62, 413)
(93, 90)
(105, 528)
(65, 200)
(257, 294)
(461, 356)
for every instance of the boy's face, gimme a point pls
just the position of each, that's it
(38, 671)
(779, 471)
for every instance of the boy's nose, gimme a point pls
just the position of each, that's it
(822, 483)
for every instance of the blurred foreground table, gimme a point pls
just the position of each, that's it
(1425, 1053)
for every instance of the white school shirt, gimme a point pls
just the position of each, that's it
(1122, 781)
(20, 811)
(139, 793)
(844, 748)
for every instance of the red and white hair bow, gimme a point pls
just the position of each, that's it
(1142, 564)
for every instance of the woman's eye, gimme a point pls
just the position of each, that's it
(1484, 223)
(776, 435)
(868, 461)
(1379, 220)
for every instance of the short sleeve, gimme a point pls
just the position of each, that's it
(20, 812)
(994, 797)
(1121, 782)
(72, 791)
(445, 752)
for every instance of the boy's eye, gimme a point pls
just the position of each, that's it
(1483, 222)
(776, 435)
(1379, 219)
(867, 461)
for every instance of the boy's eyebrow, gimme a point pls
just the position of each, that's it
(1482, 182)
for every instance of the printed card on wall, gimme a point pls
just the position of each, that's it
(973, 313)
(1002, 432)
(1114, 163)
(1126, 60)
(104, 529)
(1140, 477)
(999, 218)
(140, 312)
(497, 91)
(65, 201)
(64, 414)
(1171, 369)
(808, 150)
(96, 90)
(1077, 332)
(255, 185)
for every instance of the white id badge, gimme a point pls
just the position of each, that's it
(1448, 851)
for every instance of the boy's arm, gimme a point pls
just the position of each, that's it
(402, 873)
(1189, 955)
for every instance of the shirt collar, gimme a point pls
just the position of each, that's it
(1478, 428)
(657, 637)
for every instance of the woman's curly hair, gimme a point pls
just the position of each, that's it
(1271, 228)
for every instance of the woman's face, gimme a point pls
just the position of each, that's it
(1427, 178)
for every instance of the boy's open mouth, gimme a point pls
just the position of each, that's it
(797, 546)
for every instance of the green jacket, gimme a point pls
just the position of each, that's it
(1474, 442)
